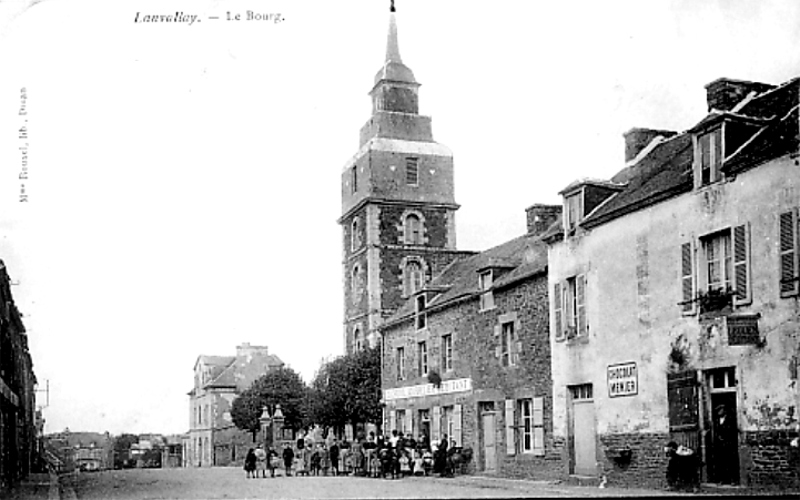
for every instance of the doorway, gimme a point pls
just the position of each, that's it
(488, 436)
(722, 439)
(583, 445)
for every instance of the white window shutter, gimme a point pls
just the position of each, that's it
(511, 445)
(559, 314)
(457, 425)
(435, 423)
(688, 283)
(789, 264)
(580, 305)
(392, 420)
(741, 265)
(538, 426)
(408, 419)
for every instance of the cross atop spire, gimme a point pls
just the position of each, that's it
(393, 68)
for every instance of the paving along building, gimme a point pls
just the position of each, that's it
(674, 299)
(213, 439)
(20, 423)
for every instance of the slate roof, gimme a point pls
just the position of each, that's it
(227, 377)
(667, 170)
(516, 260)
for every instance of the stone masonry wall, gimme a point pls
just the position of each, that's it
(770, 460)
(647, 466)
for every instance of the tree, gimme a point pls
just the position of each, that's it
(347, 390)
(281, 386)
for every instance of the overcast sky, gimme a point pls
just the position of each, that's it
(184, 180)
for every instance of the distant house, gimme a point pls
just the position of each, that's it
(213, 439)
(82, 451)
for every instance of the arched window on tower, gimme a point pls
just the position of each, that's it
(413, 230)
(356, 283)
(358, 340)
(355, 235)
(413, 277)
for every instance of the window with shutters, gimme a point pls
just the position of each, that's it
(525, 426)
(412, 172)
(447, 353)
(788, 237)
(400, 421)
(558, 315)
(724, 270)
(572, 313)
(485, 286)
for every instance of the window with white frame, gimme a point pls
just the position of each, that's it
(413, 229)
(412, 171)
(485, 280)
(573, 210)
(422, 358)
(447, 352)
(718, 261)
(508, 341)
(709, 156)
(401, 363)
(569, 297)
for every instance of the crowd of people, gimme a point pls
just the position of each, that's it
(370, 456)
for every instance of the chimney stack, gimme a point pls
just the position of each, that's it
(724, 94)
(541, 217)
(637, 138)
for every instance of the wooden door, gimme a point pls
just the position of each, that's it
(488, 433)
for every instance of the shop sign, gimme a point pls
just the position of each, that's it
(422, 390)
(623, 380)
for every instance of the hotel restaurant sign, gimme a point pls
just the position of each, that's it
(422, 390)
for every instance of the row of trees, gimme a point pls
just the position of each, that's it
(346, 390)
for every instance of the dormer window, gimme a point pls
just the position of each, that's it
(573, 210)
(709, 156)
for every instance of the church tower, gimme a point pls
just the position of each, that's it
(398, 205)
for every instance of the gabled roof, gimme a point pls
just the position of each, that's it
(520, 258)
(666, 171)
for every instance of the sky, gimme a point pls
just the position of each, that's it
(184, 180)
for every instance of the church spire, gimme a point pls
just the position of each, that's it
(392, 47)
(393, 68)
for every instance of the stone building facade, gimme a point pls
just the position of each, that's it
(20, 423)
(398, 204)
(674, 299)
(213, 439)
(468, 356)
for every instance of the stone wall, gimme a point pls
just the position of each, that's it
(647, 467)
(770, 460)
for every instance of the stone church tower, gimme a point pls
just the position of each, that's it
(398, 206)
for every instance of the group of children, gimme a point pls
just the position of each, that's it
(373, 456)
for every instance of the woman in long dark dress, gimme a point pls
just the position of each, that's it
(250, 463)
